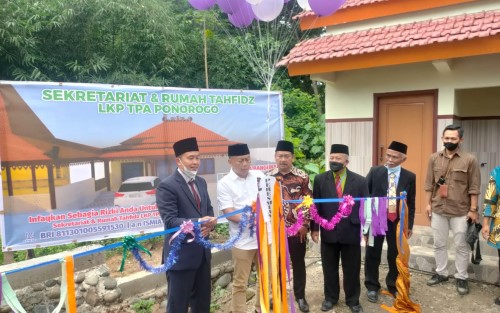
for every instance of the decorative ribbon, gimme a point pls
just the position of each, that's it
(301, 209)
(344, 210)
(70, 283)
(247, 220)
(403, 303)
(129, 244)
(187, 227)
(263, 256)
(11, 298)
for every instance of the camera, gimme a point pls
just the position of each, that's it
(441, 181)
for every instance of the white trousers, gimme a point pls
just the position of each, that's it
(440, 227)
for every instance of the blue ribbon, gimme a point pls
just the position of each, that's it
(341, 199)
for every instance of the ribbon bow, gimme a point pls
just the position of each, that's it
(129, 243)
(187, 227)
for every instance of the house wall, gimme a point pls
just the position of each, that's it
(349, 98)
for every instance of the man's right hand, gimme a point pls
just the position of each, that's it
(428, 211)
(315, 236)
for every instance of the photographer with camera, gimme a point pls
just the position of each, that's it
(452, 188)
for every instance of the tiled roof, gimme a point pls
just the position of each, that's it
(158, 140)
(453, 28)
(24, 138)
(347, 4)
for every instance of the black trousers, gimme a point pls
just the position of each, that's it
(331, 254)
(373, 257)
(189, 288)
(297, 252)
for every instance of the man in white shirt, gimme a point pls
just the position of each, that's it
(236, 190)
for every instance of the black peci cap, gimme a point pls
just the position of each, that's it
(398, 146)
(339, 148)
(284, 145)
(185, 145)
(238, 149)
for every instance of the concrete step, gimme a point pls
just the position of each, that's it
(422, 256)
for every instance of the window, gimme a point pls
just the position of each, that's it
(207, 166)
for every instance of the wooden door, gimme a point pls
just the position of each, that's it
(409, 119)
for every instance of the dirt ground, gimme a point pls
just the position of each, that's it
(442, 298)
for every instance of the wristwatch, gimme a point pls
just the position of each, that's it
(474, 210)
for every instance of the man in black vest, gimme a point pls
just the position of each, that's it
(388, 180)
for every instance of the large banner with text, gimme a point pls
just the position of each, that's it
(81, 162)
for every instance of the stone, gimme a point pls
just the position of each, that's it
(43, 308)
(5, 309)
(54, 293)
(92, 298)
(85, 308)
(92, 280)
(38, 287)
(109, 283)
(34, 297)
(112, 295)
(229, 269)
(163, 305)
(103, 271)
(159, 293)
(79, 278)
(250, 293)
(82, 288)
(50, 283)
(214, 273)
(223, 281)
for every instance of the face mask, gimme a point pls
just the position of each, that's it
(450, 146)
(393, 169)
(336, 166)
(188, 173)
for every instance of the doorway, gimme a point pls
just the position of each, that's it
(408, 118)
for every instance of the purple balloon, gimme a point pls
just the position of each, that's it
(202, 4)
(243, 17)
(268, 10)
(229, 6)
(325, 7)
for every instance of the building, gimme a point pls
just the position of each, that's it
(403, 70)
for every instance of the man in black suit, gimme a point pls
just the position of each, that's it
(389, 180)
(181, 197)
(343, 242)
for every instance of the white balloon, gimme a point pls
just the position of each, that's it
(268, 10)
(254, 1)
(304, 4)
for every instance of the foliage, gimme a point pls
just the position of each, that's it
(217, 294)
(143, 306)
(222, 229)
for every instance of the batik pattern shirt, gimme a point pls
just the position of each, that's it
(492, 207)
(295, 185)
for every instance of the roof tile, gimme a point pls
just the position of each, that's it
(453, 28)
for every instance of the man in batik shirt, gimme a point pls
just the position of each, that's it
(491, 213)
(294, 186)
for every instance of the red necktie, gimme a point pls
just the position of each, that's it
(195, 193)
(338, 185)
(392, 209)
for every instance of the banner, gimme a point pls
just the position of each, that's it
(81, 162)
